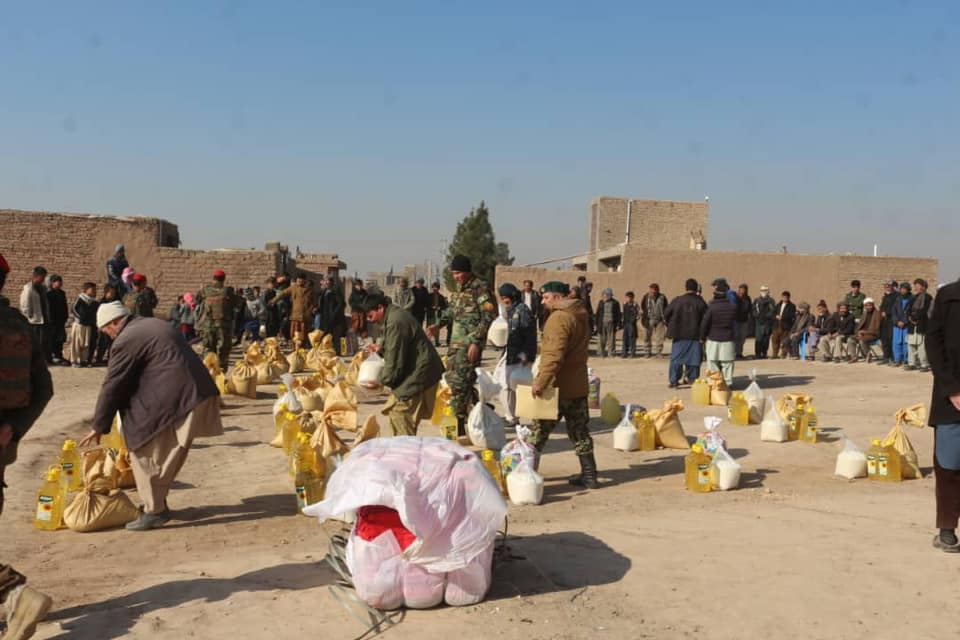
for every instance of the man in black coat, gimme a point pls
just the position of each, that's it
(887, 311)
(421, 299)
(57, 303)
(943, 352)
(332, 313)
(784, 315)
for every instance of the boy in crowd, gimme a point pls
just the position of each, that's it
(631, 313)
(84, 330)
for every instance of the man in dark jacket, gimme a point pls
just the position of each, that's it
(421, 298)
(943, 352)
(837, 333)
(784, 315)
(631, 315)
(684, 317)
(411, 366)
(25, 392)
(332, 313)
(918, 314)
(115, 266)
(718, 329)
(608, 319)
(57, 303)
(887, 311)
(358, 314)
(531, 297)
(764, 310)
(744, 316)
(791, 345)
(436, 305)
(165, 398)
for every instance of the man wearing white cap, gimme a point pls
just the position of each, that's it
(165, 398)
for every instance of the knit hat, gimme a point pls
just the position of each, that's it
(110, 311)
(764, 288)
(555, 286)
(508, 290)
(461, 263)
(868, 301)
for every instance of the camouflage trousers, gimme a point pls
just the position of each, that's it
(218, 340)
(462, 378)
(576, 415)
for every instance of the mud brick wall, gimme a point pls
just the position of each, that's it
(654, 224)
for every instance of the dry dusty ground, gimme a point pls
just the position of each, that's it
(795, 553)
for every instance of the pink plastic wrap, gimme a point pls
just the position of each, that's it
(377, 567)
(470, 584)
(422, 589)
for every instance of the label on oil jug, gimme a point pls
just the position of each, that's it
(871, 465)
(703, 477)
(301, 496)
(45, 508)
(882, 466)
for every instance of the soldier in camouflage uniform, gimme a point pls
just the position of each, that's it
(563, 364)
(219, 304)
(142, 300)
(472, 309)
(25, 390)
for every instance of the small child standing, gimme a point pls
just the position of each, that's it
(631, 315)
(84, 326)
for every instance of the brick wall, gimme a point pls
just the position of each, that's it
(654, 224)
(807, 277)
(78, 247)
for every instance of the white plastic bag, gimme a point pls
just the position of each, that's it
(524, 485)
(422, 589)
(487, 387)
(485, 427)
(376, 568)
(500, 372)
(469, 585)
(755, 400)
(289, 399)
(851, 461)
(724, 471)
(518, 450)
(710, 439)
(520, 375)
(370, 370)
(625, 437)
(773, 428)
(499, 332)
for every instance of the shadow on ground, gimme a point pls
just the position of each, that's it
(255, 508)
(115, 617)
(777, 381)
(555, 562)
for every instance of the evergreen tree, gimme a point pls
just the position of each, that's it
(475, 239)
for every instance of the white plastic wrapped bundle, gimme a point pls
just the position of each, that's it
(470, 584)
(422, 589)
(443, 496)
(370, 370)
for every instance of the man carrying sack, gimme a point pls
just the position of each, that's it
(563, 364)
(25, 390)
(165, 397)
(411, 366)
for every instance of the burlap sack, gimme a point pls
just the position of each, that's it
(254, 355)
(315, 338)
(124, 475)
(340, 407)
(297, 361)
(267, 372)
(915, 416)
(212, 363)
(670, 433)
(244, 379)
(99, 505)
(353, 369)
(311, 392)
(788, 402)
(271, 349)
(369, 431)
(719, 391)
(326, 442)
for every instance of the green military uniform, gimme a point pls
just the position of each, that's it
(142, 303)
(411, 369)
(471, 310)
(25, 389)
(219, 304)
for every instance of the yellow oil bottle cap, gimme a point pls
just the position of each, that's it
(53, 473)
(487, 454)
(876, 442)
(303, 438)
(697, 448)
(283, 407)
(69, 445)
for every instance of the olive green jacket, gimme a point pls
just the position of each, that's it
(411, 364)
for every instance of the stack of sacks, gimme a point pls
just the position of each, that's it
(428, 515)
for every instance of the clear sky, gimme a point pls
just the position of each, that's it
(370, 129)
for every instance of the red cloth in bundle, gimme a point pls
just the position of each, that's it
(373, 520)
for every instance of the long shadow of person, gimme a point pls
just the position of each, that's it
(115, 617)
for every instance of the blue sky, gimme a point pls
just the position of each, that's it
(370, 129)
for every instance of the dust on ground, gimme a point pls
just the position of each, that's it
(794, 553)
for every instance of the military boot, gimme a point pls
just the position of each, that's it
(588, 473)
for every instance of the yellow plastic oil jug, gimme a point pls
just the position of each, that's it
(290, 428)
(697, 470)
(610, 409)
(489, 459)
(808, 426)
(646, 430)
(739, 410)
(69, 462)
(700, 392)
(113, 439)
(889, 464)
(448, 426)
(795, 423)
(309, 480)
(51, 499)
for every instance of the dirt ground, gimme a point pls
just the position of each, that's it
(794, 553)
